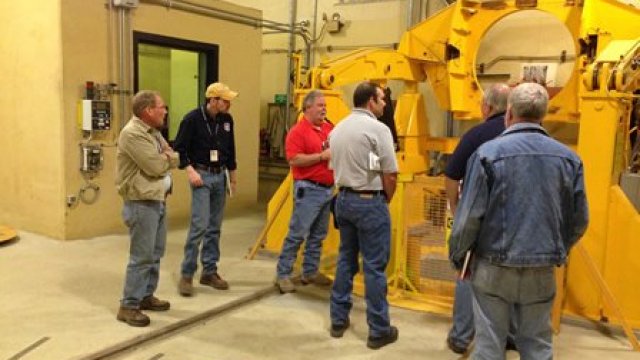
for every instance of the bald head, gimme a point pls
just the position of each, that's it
(494, 100)
(528, 103)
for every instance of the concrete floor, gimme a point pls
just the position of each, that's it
(59, 301)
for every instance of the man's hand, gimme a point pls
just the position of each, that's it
(304, 160)
(389, 181)
(325, 155)
(232, 181)
(452, 188)
(168, 153)
(194, 177)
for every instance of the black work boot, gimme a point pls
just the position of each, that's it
(338, 330)
(380, 341)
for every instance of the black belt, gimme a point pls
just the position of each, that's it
(211, 169)
(367, 192)
(326, 186)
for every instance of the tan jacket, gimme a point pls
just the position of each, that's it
(141, 162)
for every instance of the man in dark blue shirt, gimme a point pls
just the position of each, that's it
(494, 104)
(207, 152)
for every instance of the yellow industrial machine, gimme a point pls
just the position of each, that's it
(590, 112)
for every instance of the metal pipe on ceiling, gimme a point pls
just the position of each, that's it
(224, 15)
(330, 48)
(291, 28)
(562, 58)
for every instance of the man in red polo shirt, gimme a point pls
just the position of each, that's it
(308, 155)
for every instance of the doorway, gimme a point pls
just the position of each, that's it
(179, 69)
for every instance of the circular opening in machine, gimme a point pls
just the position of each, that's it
(526, 46)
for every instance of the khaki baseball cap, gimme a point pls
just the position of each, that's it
(220, 90)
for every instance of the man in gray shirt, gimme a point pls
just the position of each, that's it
(365, 168)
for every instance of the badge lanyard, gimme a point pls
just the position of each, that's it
(213, 154)
(204, 116)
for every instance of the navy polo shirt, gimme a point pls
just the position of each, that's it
(199, 133)
(470, 142)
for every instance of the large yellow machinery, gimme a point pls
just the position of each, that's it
(591, 112)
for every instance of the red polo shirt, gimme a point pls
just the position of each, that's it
(304, 138)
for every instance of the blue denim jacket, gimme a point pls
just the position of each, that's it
(523, 201)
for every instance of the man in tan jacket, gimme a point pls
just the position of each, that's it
(143, 162)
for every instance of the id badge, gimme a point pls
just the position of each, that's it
(213, 155)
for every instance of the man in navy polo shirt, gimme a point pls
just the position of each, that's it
(494, 104)
(308, 155)
(208, 155)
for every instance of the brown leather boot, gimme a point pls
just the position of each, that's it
(318, 278)
(285, 285)
(185, 286)
(214, 280)
(133, 317)
(154, 304)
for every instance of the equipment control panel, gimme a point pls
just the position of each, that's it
(96, 114)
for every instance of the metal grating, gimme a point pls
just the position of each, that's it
(426, 219)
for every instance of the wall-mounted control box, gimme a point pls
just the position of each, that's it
(91, 158)
(96, 114)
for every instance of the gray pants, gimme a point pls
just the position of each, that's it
(527, 295)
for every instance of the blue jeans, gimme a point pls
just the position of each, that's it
(365, 227)
(463, 330)
(310, 220)
(207, 205)
(148, 232)
(524, 294)
(461, 333)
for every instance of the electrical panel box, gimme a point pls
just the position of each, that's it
(91, 158)
(126, 3)
(96, 114)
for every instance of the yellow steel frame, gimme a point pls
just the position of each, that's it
(597, 96)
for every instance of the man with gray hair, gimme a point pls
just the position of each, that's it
(142, 179)
(522, 208)
(494, 104)
(308, 155)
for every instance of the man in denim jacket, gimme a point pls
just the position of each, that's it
(523, 206)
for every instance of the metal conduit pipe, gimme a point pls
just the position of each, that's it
(110, 46)
(233, 17)
(292, 45)
(559, 58)
(223, 14)
(409, 14)
(248, 17)
(121, 64)
(330, 48)
(309, 60)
